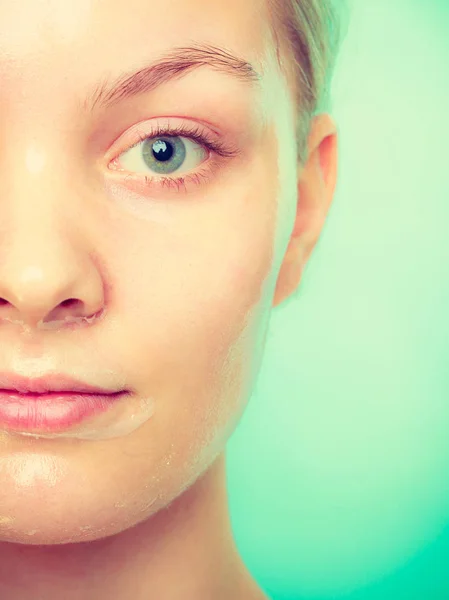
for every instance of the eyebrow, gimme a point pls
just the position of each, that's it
(176, 63)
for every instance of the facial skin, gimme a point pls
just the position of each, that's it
(186, 280)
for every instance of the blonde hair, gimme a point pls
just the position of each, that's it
(308, 33)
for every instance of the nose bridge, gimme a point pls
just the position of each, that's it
(36, 202)
(45, 257)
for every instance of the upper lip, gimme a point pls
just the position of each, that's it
(49, 383)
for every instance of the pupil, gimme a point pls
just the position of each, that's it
(162, 151)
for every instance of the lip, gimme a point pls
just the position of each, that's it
(51, 403)
(49, 383)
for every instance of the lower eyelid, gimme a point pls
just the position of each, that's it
(186, 182)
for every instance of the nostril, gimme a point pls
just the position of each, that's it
(68, 302)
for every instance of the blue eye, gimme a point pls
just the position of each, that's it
(164, 155)
(170, 157)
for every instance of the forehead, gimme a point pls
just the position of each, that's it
(83, 33)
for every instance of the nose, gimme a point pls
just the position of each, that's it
(50, 275)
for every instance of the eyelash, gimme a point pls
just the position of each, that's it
(192, 132)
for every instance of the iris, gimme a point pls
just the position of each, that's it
(165, 154)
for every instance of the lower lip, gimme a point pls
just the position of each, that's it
(52, 412)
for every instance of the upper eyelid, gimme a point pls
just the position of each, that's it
(124, 140)
(168, 133)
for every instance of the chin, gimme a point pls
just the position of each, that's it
(50, 500)
(50, 507)
(59, 521)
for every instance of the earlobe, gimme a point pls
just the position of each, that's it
(315, 189)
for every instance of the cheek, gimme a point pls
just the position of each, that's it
(190, 300)
(185, 303)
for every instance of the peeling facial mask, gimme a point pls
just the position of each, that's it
(124, 416)
(69, 414)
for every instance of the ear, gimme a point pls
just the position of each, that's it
(316, 186)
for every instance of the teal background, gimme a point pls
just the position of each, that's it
(339, 471)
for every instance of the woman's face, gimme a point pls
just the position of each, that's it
(184, 272)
